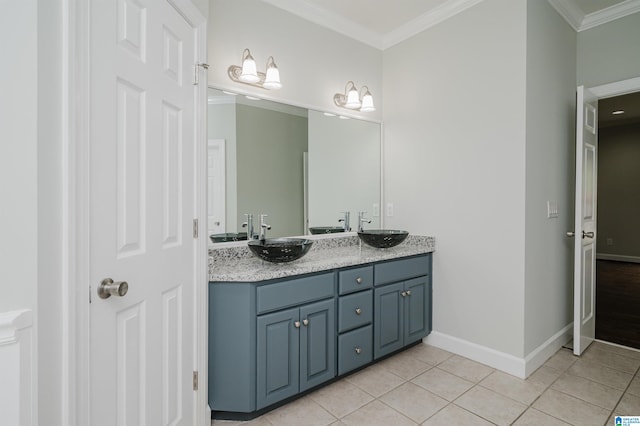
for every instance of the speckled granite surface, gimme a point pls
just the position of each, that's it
(239, 264)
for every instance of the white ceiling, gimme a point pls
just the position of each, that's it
(384, 23)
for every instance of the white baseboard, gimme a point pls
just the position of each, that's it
(519, 367)
(16, 368)
(617, 257)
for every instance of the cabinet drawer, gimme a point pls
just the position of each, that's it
(355, 310)
(355, 279)
(355, 349)
(271, 297)
(398, 270)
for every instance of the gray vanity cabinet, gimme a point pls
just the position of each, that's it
(402, 304)
(296, 351)
(271, 340)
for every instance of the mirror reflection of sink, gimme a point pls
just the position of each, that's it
(228, 236)
(279, 250)
(382, 238)
(325, 229)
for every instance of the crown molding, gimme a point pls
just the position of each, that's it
(571, 13)
(330, 20)
(620, 10)
(426, 21)
(345, 26)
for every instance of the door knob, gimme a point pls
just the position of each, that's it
(571, 234)
(305, 322)
(296, 324)
(108, 288)
(587, 234)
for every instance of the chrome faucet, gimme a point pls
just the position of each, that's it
(263, 227)
(249, 225)
(345, 219)
(361, 220)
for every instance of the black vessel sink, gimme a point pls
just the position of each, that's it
(228, 236)
(325, 229)
(382, 238)
(278, 250)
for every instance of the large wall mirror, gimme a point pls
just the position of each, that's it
(302, 168)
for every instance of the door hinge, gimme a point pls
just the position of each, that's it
(90, 289)
(196, 78)
(195, 380)
(195, 228)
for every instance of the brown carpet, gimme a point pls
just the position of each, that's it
(618, 302)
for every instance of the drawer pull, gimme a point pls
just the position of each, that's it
(296, 324)
(305, 322)
(358, 311)
(358, 350)
(359, 280)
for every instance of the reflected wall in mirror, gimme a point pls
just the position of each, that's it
(258, 163)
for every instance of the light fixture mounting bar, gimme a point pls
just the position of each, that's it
(235, 71)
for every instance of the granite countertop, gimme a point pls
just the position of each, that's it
(238, 264)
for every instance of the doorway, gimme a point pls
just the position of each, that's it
(618, 245)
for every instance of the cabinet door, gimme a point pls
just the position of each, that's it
(317, 343)
(278, 357)
(416, 313)
(388, 319)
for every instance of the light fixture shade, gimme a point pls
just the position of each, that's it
(353, 99)
(249, 71)
(367, 102)
(272, 79)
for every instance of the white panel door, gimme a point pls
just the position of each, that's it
(142, 204)
(584, 296)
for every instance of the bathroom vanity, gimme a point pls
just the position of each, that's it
(279, 330)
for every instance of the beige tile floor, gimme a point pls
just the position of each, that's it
(428, 386)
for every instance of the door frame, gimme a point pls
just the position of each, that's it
(75, 290)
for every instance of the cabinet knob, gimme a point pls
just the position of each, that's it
(358, 311)
(359, 280)
(403, 294)
(408, 292)
(296, 324)
(358, 351)
(305, 322)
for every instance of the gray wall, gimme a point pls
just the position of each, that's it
(269, 154)
(455, 132)
(550, 100)
(619, 191)
(609, 52)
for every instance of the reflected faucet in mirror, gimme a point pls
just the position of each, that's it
(345, 219)
(249, 225)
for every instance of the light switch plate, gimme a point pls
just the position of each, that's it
(389, 209)
(376, 210)
(552, 209)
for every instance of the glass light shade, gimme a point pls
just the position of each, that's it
(367, 103)
(353, 99)
(249, 71)
(272, 80)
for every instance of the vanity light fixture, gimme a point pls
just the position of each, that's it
(249, 74)
(352, 99)
(618, 112)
